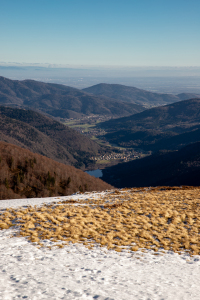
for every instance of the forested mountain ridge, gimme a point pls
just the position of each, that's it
(134, 95)
(165, 127)
(45, 136)
(59, 100)
(164, 168)
(24, 174)
(187, 111)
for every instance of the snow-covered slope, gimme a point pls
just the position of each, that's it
(76, 272)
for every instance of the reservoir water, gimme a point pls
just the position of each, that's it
(96, 173)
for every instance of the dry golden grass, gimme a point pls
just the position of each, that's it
(157, 218)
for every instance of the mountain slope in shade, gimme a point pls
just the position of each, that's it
(187, 111)
(73, 105)
(186, 96)
(173, 168)
(164, 127)
(134, 95)
(24, 174)
(43, 135)
(59, 100)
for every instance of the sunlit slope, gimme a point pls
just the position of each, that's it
(157, 218)
(24, 174)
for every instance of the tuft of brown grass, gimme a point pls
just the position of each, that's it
(132, 219)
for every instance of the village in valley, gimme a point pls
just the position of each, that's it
(126, 155)
(87, 126)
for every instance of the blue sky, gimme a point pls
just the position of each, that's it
(94, 32)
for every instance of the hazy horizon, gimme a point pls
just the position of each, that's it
(158, 79)
(153, 45)
(128, 33)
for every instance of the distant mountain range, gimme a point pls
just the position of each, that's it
(45, 136)
(166, 127)
(164, 168)
(25, 121)
(24, 174)
(137, 96)
(60, 101)
(65, 102)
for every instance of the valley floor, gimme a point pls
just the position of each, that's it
(77, 271)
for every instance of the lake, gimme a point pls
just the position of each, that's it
(96, 173)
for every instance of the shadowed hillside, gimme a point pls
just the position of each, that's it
(169, 168)
(24, 174)
(165, 127)
(43, 135)
(60, 101)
